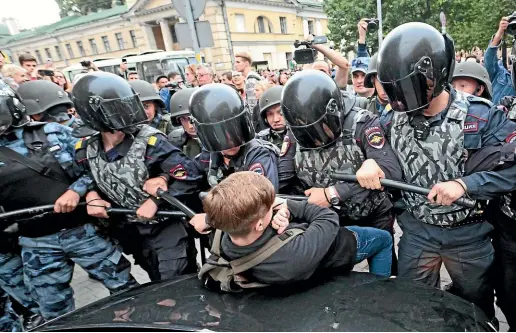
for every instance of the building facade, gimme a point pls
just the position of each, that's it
(266, 29)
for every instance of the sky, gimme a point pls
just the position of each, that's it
(30, 13)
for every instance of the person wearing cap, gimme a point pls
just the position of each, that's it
(153, 105)
(472, 78)
(358, 71)
(378, 102)
(185, 136)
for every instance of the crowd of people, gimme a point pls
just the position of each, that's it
(414, 113)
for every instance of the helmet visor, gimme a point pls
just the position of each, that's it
(6, 118)
(226, 134)
(411, 93)
(122, 113)
(513, 69)
(319, 134)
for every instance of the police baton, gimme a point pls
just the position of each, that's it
(161, 194)
(469, 203)
(39, 210)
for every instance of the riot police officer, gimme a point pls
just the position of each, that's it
(270, 112)
(129, 160)
(433, 131)
(47, 102)
(12, 115)
(185, 137)
(38, 170)
(378, 103)
(312, 106)
(472, 78)
(225, 128)
(153, 105)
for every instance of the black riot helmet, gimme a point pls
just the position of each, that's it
(220, 117)
(106, 102)
(312, 103)
(146, 92)
(415, 64)
(45, 98)
(270, 97)
(372, 70)
(179, 104)
(12, 111)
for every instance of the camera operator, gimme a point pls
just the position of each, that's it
(341, 77)
(500, 76)
(359, 65)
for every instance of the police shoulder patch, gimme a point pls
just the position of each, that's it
(285, 146)
(375, 137)
(511, 137)
(79, 144)
(179, 172)
(152, 141)
(258, 168)
(471, 127)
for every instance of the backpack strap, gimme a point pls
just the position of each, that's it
(215, 246)
(272, 246)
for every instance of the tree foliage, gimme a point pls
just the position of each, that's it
(84, 7)
(470, 23)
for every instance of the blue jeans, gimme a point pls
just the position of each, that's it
(375, 245)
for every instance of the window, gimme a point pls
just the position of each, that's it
(263, 25)
(58, 52)
(70, 51)
(105, 41)
(133, 38)
(120, 40)
(93, 45)
(47, 52)
(283, 24)
(311, 27)
(38, 55)
(240, 22)
(81, 49)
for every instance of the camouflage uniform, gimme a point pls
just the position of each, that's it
(191, 147)
(48, 258)
(362, 138)
(161, 246)
(453, 235)
(9, 321)
(276, 138)
(163, 123)
(250, 83)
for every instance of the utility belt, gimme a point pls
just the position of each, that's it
(472, 219)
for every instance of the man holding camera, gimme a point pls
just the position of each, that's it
(500, 76)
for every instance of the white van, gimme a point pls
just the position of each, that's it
(149, 66)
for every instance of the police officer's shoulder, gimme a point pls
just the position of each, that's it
(472, 99)
(57, 128)
(263, 133)
(363, 115)
(177, 137)
(264, 146)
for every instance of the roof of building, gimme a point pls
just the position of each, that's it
(64, 23)
(4, 30)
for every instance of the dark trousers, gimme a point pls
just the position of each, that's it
(504, 270)
(164, 250)
(466, 252)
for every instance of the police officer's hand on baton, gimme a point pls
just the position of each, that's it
(67, 202)
(369, 175)
(96, 206)
(152, 185)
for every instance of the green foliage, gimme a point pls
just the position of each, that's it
(84, 7)
(469, 22)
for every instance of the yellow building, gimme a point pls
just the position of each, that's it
(266, 29)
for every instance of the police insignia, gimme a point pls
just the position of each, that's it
(179, 172)
(78, 145)
(152, 140)
(511, 138)
(471, 127)
(285, 146)
(375, 137)
(257, 167)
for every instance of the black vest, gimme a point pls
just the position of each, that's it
(24, 187)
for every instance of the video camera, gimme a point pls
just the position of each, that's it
(511, 28)
(307, 54)
(372, 24)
